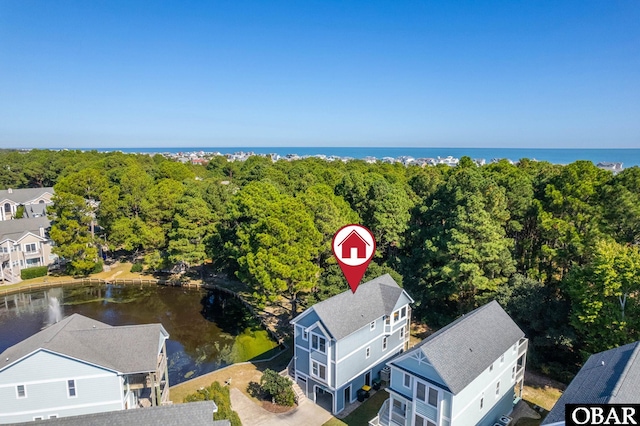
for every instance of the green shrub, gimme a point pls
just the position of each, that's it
(278, 387)
(38, 271)
(220, 395)
(98, 267)
(136, 267)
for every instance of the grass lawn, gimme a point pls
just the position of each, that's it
(240, 374)
(544, 397)
(365, 412)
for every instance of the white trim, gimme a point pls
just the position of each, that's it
(359, 348)
(326, 371)
(388, 355)
(59, 379)
(75, 389)
(65, 407)
(491, 383)
(404, 381)
(24, 389)
(319, 336)
(68, 357)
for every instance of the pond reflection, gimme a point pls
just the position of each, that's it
(208, 329)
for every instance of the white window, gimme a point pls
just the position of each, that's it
(421, 394)
(318, 370)
(30, 248)
(482, 401)
(490, 368)
(38, 418)
(372, 326)
(368, 352)
(515, 347)
(497, 389)
(384, 343)
(53, 416)
(421, 421)
(71, 388)
(402, 332)
(501, 359)
(433, 397)
(21, 391)
(305, 334)
(513, 373)
(399, 407)
(403, 312)
(407, 380)
(396, 316)
(387, 320)
(318, 343)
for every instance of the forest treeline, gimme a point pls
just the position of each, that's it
(555, 245)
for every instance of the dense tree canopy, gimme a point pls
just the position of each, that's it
(556, 245)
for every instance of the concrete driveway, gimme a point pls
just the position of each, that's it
(307, 413)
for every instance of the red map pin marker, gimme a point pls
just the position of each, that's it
(353, 246)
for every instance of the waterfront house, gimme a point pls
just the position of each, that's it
(81, 366)
(192, 414)
(609, 377)
(34, 201)
(342, 343)
(24, 244)
(467, 373)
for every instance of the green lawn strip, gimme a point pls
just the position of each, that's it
(365, 412)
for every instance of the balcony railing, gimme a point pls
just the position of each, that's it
(382, 419)
(522, 346)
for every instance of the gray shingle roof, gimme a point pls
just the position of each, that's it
(192, 414)
(35, 210)
(611, 377)
(125, 349)
(347, 312)
(24, 195)
(15, 229)
(465, 348)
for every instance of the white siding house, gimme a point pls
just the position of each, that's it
(343, 342)
(80, 366)
(468, 373)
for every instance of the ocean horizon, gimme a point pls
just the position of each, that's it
(629, 157)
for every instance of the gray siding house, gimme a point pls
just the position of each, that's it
(342, 343)
(609, 377)
(467, 373)
(81, 366)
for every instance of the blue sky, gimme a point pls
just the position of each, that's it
(547, 74)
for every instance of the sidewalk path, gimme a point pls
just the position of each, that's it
(307, 413)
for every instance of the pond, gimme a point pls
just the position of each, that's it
(207, 329)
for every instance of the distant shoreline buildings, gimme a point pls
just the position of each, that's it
(203, 157)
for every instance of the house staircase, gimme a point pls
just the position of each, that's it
(290, 374)
(10, 277)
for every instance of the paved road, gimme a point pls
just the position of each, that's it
(307, 413)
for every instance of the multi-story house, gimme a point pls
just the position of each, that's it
(80, 366)
(342, 343)
(609, 377)
(34, 201)
(24, 244)
(468, 373)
